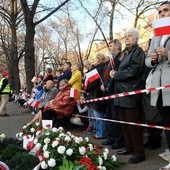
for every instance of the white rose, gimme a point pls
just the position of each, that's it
(44, 165)
(114, 158)
(105, 154)
(24, 127)
(101, 167)
(61, 149)
(106, 150)
(90, 146)
(32, 130)
(51, 162)
(57, 138)
(55, 143)
(45, 147)
(38, 145)
(46, 154)
(19, 137)
(100, 161)
(86, 139)
(72, 136)
(3, 136)
(37, 124)
(47, 140)
(35, 141)
(61, 128)
(61, 135)
(21, 134)
(77, 140)
(38, 132)
(69, 133)
(55, 130)
(82, 150)
(67, 138)
(69, 152)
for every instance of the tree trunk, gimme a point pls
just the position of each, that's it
(29, 56)
(14, 60)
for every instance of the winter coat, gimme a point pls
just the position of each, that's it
(63, 104)
(76, 81)
(129, 77)
(160, 72)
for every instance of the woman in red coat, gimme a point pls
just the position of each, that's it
(62, 105)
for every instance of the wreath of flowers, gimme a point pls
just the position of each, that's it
(60, 150)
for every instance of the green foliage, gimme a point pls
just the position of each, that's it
(12, 153)
(22, 161)
(70, 165)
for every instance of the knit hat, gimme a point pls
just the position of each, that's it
(5, 73)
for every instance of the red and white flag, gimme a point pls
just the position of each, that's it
(161, 26)
(90, 77)
(73, 93)
(33, 103)
(112, 62)
(34, 79)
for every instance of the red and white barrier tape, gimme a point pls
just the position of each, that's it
(128, 123)
(126, 94)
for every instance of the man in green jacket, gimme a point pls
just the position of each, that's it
(4, 92)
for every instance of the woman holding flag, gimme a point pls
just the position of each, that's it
(76, 79)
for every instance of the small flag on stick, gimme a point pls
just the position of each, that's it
(33, 103)
(73, 93)
(34, 79)
(90, 77)
(161, 26)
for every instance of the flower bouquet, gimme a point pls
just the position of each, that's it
(28, 134)
(59, 150)
(29, 130)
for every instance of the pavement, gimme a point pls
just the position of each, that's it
(19, 116)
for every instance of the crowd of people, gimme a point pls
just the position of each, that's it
(122, 71)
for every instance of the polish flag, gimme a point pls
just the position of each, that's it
(30, 101)
(73, 93)
(161, 26)
(33, 103)
(90, 77)
(112, 62)
(34, 79)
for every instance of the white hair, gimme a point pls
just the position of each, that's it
(134, 31)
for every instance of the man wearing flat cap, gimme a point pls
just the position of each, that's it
(4, 92)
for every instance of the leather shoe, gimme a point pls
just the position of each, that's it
(116, 146)
(107, 142)
(124, 152)
(136, 159)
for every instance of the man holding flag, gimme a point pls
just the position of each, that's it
(114, 134)
(159, 59)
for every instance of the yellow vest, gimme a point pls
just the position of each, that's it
(7, 88)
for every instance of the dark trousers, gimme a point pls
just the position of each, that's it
(165, 113)
(114, 132)
(50, 115)
(133, 135)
